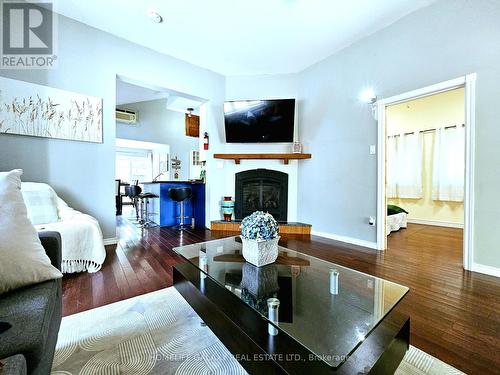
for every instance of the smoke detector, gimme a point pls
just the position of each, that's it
(155, 16)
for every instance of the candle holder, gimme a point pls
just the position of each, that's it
(297, 148)
(203, 265)
(334, 282)
(273, 305)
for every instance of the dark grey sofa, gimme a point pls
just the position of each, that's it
(34, 316)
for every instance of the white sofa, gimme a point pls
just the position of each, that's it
(82, 242)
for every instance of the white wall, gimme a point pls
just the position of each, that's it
(89, 61)
(446, 40)
(222, 172)
(158, 124)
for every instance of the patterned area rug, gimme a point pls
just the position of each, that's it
(159, 333)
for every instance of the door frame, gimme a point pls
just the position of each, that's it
(469, 83)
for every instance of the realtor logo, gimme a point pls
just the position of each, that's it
(28, 30)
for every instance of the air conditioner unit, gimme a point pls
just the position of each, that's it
(126, 116)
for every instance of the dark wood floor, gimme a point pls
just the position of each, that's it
(455, 315)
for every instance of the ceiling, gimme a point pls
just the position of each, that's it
(236, 37)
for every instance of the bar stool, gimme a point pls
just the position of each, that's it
(145, 222)
(133, 192)
(180, 195)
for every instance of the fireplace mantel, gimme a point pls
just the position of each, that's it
(285, 157)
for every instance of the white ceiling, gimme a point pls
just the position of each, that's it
(181, 104)
(236, 37)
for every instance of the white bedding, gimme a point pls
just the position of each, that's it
(396, 222)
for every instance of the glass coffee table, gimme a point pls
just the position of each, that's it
(298, 314)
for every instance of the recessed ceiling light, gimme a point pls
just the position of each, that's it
(155, 16)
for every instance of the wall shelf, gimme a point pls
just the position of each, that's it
(285, 157)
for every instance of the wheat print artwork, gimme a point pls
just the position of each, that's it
(41, 111)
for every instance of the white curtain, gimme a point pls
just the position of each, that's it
(449, 165)
(404, 166)
(392, 166)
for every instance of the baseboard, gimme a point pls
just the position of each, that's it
(487, 270)
(350, 240)
(110, 241)
(436, 223)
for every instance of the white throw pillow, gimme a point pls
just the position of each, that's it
(22, 257)
(41, 202)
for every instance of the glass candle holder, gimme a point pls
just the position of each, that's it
(203, 264)
(334, 282)
(273, 305)
(297, 148)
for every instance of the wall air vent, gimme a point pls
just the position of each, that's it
(126, 116)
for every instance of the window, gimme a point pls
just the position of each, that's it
(132, 166)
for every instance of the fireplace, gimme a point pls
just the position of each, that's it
(261, 190)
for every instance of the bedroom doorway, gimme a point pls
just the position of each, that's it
(425, 184)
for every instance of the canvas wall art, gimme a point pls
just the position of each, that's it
(41, 111)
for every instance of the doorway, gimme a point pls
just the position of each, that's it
(417, 176)
(157, 141)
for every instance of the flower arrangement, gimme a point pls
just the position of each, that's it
(259, 226)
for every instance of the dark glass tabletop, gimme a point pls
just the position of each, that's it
(327, 308)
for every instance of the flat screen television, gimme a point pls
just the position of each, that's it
(259, 121)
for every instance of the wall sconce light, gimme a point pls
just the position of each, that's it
(190, 111)
(368, 96)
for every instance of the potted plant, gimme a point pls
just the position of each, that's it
(259, 236)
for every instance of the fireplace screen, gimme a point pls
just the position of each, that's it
(261, 190)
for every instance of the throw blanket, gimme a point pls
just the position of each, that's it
(82, 243)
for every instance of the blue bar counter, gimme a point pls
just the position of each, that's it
(167, 211)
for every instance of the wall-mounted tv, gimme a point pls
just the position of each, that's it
(257, 121)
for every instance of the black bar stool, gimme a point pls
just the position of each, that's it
(145, 222)
(180, 195)
(133, 192)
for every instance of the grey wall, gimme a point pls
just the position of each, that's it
(443, 41)
(160, 125)
(89, 60)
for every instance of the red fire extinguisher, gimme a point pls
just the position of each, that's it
(205, 141)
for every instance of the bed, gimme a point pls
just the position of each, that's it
(397, 218)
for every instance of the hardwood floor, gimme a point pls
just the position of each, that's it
(455, 314)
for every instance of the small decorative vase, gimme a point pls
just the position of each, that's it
(297, 148)
(260, 252)
(227, 207)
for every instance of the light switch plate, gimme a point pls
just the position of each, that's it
(373, 149)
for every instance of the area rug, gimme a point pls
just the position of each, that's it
(159, 333)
